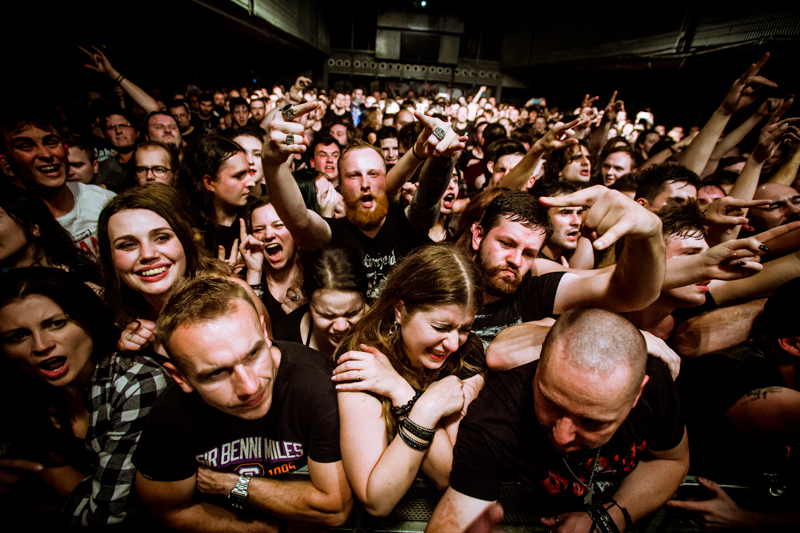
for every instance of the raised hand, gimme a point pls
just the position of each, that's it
(559, 136)
(658, 348)
(296, 90)
(276, 150)
(137, 335)
(441, 399)
(429, 145)
(99, 62)
(745, 90)
(611, 215)
(613, 108)
(729, 211)
(233, 260)
(775, 131)
(251, 251)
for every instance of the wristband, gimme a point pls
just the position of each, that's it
(602, 520)
(257, 286)
(417, 430)
(119, 79)
(403, 410)
(672, 149)
(625, 514)
(410, 442)
(414, 151)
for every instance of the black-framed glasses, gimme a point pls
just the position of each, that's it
(158, 171)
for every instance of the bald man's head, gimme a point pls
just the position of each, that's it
(599, 342)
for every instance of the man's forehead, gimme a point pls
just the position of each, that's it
(677, 243)
(327, 148)
(775, 193)
(163, 119)
(519, 229)
(30, 130)
(363, 157)
(389, 142)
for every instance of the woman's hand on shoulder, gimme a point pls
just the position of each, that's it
(137, 335)
(441, 399)
(376, 375)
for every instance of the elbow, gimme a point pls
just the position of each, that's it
(339, 517)
(378, 510)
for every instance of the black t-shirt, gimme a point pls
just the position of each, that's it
(500, 440)
(183, 432)
(208, 125)
(116, 176)
(396, 238)
(709, 386)
(533, 300)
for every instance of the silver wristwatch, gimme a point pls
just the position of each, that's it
(238, 496)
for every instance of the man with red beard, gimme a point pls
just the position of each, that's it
(379, 232)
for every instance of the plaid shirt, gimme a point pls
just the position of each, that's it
(123, 388)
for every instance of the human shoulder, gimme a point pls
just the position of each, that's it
(89, 193)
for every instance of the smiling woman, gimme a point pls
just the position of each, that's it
(404, 383)
(84, 406)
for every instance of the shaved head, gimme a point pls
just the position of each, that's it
(598, 342)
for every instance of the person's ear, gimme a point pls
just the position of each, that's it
(790, 345)
(208, 183)
(95, 166)
(644, 382)
(177, 376)
(477, 235)
(490, 167)
(35, 231)
(643, 202)
(398, 312)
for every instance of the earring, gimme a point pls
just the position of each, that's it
(393, 329)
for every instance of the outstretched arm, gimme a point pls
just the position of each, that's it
(742, 94)
(599, 136)
(308, 229)
(635, 282)
(100, 63)
(559, 136)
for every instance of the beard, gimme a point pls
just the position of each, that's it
(366, 219)
(493, 283)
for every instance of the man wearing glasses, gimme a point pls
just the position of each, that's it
(118, 172)
(154, 162)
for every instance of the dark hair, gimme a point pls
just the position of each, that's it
(720, 177)
(205, 97)
(386, 133)
(157, 144)
(493, 132)
(323, 140)
(517, 206)
(626, 183)
(558, 188)
(80, 142)
(728, 161)
(126, 304)
(307, 183)
(472, 214)
(245, 131)
(237, 101)
(151, 114)
(82, 306)
(339, 269)
(558, 159)
(16, 117)
(498, 149)
(523, 134)
(654, 180)
(682, 220)
(179, 103)
(254, 100)
(53, 243)
(127, 115)
(636, 158)
(409, 133)
(203, 157)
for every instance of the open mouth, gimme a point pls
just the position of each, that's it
(329, 169)
(449, 200)
(53, 368)
(573, 235)
(437, 356)
(49, 169)
(274, 252)
(367, 201)
(154, 274)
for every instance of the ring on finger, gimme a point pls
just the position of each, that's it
(288, 112)
(290, 138)
(295, 297)
(358, 377)
(438, 133)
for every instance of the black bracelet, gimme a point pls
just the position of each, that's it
(414, 151)
(625, 514)
(417, 430)
(412, 443)
(403, 410)
(257, 286)
(119, 79)
(601, 519)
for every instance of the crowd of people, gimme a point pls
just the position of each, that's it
(205, 292)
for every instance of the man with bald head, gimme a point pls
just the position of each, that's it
(783, 209)
(593, 427)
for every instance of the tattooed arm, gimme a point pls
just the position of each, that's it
(771, 413)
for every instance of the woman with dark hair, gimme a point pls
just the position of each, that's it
(400, 392)
(147, 244)
(84, 406)
(215, 176)
(335, 283)
(30, 236)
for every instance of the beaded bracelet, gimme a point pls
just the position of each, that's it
(410, 442)
(417, 430)
(403, 410)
